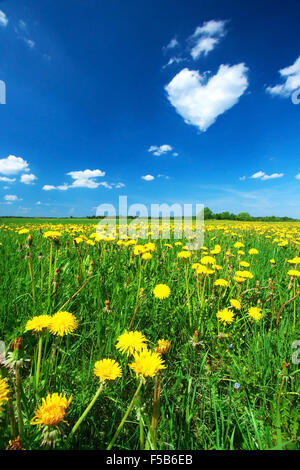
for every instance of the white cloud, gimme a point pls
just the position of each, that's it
(161, 150)
(30, 43)
(7, 180)
(272, 176)
(13, 165)
(3, 19)
(106, 185)
(206, 37)
(173, 60)
(297, 176)
(291, 80)
(242, 178)
(163, 176)
(204, 46)
(263, 176)
(11, 198)
(22, 25)
(85, 178)
(173, 43)
(148, 177)
(200, 103)
(28, 178)
(38, 203)
(210, 28)
(258, 174)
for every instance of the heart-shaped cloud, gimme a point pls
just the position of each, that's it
(200, 101)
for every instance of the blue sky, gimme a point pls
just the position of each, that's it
(163, 101)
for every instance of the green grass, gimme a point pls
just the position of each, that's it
(200, 408)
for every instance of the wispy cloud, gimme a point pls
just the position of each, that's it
(84, 179)
(173, 43)
(22, 32)
(200, 101)
(290, 81)
(11, 198)
(263, 176)
(7, 180)
(3, 19)
(30, 43)
(173, 60)
(160, 150)
(206, 37)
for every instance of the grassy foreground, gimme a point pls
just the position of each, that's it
(231, 315)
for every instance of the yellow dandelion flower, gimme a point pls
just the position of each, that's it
(184, 254)
(23, 231)
(255, 313)
(272, 261)
(146, 256)
(225, 315)
(244, 264)
(217, 249)
(4, 391)
(150, 246)
(253, 251)
(294, 273)
(161, 291)
(168, 245)
(217, 267)
(147, 363)
(239, 280)
(52, 234)
(238, 245)
(163, 346)
(221, 283)
(52, 411)
(38, 323)
(244, 274)
(295, 260)
(208, 260)
(107, 369)
(235, 304)
(200, 269)
(63, 323)
(138, 250)
(195, 265)
(131, 342)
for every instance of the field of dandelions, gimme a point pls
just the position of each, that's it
(142, 344)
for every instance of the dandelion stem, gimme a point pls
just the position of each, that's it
(50, 273)
(125, 415)
(12, 419)
(31, 274)
(86, 411)
(38, 367)
(203, 290)
(187, 292)
(139, 281)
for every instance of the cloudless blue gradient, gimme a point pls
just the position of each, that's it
(85, 89)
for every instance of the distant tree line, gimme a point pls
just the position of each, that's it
(242, 216)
